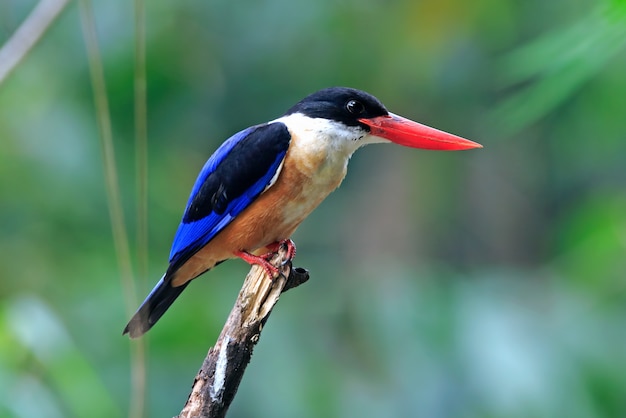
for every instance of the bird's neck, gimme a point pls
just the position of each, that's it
(320, 148)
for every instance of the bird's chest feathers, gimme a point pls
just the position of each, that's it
(319, 162)
(313, 167)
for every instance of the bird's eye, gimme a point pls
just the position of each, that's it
(355, 107)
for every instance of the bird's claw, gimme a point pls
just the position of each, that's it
(290, 247)
(261, 260)
(264, 259)
(287, 244)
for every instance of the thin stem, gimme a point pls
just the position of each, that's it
(141, 142)
(116, 213)
(101, 103)
(27, 35)
(139, 370)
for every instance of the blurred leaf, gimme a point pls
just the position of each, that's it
(552, 68)
(591, 244)
(40, 333)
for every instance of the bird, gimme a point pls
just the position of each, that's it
(262, 182)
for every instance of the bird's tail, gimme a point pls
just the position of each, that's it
(155, 305)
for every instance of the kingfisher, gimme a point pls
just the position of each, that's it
(263, 181)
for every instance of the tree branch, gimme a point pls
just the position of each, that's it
(217, 381)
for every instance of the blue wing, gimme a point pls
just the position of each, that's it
(235, 175)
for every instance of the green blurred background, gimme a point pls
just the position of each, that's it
(487, 283)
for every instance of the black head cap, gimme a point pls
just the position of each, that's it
(341, 104)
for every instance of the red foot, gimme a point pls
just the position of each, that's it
(262, 260)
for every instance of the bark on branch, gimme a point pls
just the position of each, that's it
(217, 381)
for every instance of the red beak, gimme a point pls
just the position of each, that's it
(412, 134)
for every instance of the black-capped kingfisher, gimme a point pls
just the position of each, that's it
(261, 183)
